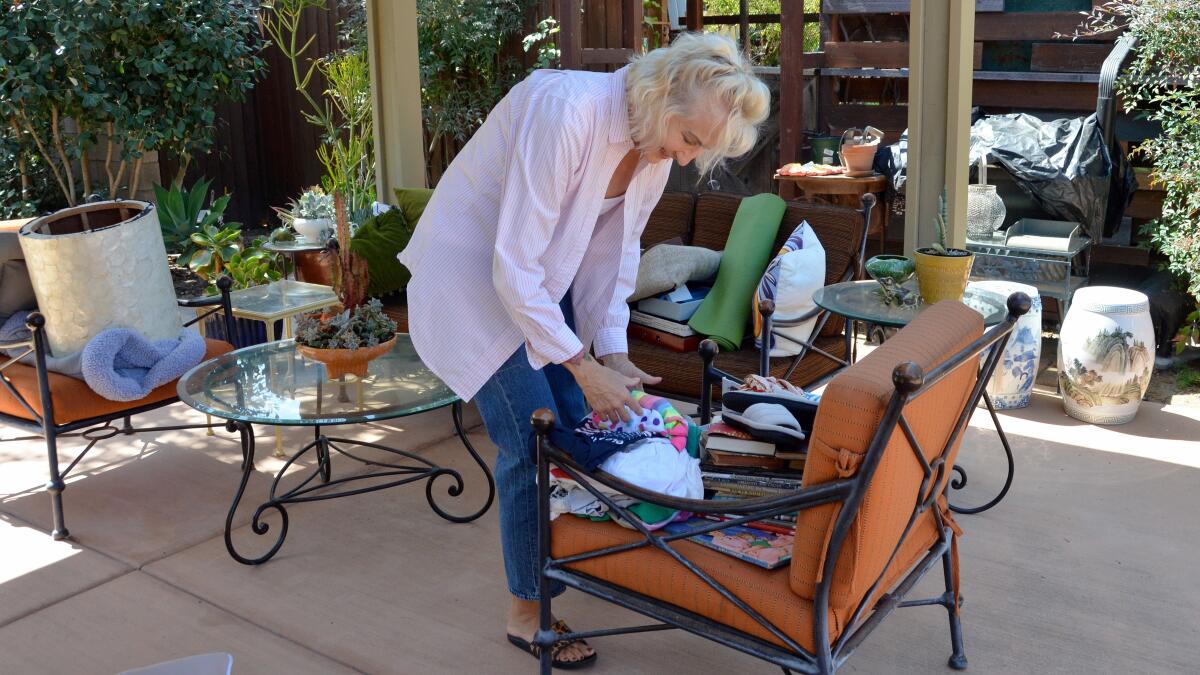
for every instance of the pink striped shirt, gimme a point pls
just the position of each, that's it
(516, 221)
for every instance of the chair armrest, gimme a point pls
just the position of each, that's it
(221, 302)
(205, 301)
(16, 345)
(792, 501)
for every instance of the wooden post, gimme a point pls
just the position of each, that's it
(791, 87)
(941, 54)
(570, 34)
(695, 14)
(395, 95)
(632, 15)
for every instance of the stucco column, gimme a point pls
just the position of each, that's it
(941, 55)
(395, 95)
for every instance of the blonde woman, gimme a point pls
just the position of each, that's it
(528, 249)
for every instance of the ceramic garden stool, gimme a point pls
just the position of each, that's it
(1105, 354)
(1011, 385)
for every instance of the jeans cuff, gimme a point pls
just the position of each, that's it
(556, 590)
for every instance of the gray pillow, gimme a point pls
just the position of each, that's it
(667, 266)
(16, 291)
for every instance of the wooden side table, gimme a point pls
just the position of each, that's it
(847, 191)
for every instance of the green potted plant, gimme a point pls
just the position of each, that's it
(347, 337)
(310, 215)
(942, 271)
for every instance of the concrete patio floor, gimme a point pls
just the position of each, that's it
(1087, 567)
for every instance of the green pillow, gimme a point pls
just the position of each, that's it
(378, 240)
(412, 202)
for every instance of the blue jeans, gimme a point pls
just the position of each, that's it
(506, 403)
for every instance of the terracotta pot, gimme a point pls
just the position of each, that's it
(314, 267)
(858, 159)
(339, 362)
(942, 277)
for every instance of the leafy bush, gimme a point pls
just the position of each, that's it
(365, 326)
(1163, 83)
(253, 266)
(146, 75)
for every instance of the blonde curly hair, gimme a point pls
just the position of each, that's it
(697, 71)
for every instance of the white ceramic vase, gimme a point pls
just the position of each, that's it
(1105, 354)
(312, 229)
(100, 265)
(1011, 385)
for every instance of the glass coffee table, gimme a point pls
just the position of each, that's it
(272, 384)
(860, 301)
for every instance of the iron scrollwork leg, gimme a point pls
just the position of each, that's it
(455, 489)
(959, 481)
(246, 431)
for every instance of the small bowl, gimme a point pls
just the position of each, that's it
(898, 268)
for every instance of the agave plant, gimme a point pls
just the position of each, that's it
(181, 214)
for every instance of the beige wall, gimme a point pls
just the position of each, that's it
(396, 95)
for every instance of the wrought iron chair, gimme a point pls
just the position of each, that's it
(55, 406)
(872, 516)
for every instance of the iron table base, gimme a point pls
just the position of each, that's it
(319, 484)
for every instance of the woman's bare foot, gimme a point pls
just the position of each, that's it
(523, 623)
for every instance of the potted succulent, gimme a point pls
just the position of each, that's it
(346, 337)
(942, 271)
(311, 216)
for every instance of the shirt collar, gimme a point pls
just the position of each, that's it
(618, 110)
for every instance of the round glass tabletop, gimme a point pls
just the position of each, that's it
(273, 384)
(860, 300)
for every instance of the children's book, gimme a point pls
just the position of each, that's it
(765, 549)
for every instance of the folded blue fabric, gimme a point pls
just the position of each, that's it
(121, 365)
(589, 446)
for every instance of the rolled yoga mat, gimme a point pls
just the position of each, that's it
(724, 313)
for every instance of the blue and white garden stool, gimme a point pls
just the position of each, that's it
(1011, 385)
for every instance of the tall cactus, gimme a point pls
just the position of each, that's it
(350, 275)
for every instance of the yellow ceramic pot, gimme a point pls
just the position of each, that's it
(942, 277)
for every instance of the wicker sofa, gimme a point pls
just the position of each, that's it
(705, 220)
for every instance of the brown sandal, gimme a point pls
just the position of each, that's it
(561, 628)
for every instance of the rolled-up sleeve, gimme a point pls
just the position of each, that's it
(550, 144)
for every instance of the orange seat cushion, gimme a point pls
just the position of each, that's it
(851, 410)
(72, 399)
(653, 573)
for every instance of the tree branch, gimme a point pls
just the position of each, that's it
(112, 181)
(62, 154)
(37, 140)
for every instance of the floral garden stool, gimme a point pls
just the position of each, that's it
(1011, 385)
(1105, 354)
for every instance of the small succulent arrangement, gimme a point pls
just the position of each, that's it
(313, 204)
(358, 323)
(942, 272)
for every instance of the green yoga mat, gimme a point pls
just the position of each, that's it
(724, 313)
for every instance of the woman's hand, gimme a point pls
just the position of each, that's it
(622, 364)
(606, 389)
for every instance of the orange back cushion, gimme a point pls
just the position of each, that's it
(850, 412)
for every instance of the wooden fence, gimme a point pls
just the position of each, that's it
(265, 152)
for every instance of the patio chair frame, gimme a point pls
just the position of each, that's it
(708, 349)
(93, 429)
(910, 383)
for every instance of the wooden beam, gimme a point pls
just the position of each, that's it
(1030, 26)
(791, 87)
(590, 57)
(893, 6)
(1069, 57)
(884, 117)
(1032, 94)
(876, 55)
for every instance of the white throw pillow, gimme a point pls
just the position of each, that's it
(791, 280)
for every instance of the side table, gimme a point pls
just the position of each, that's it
(847, 191)
(1051, 272)
(239, 387)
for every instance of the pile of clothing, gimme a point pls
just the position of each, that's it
(656, 450)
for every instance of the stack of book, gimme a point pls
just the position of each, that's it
(729, 446)
(666, 333)
(722, 485)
